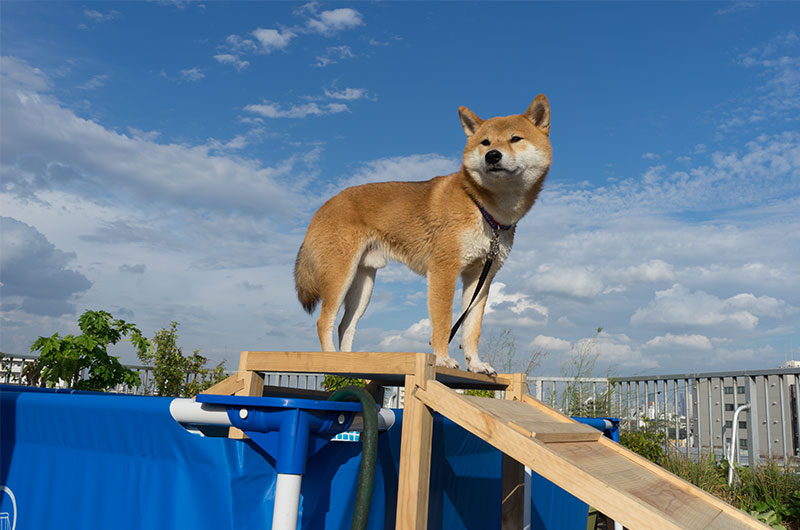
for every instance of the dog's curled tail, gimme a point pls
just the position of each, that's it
(305, 280)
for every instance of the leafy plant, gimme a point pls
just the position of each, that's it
(332, 382)
(65, 358)
(648, 442)
(175, 374)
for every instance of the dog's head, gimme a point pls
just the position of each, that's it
(509, 150)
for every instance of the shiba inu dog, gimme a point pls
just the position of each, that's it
(442, 228)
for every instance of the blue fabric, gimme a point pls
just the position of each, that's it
(91, 461)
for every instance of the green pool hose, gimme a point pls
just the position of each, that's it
(369, 451)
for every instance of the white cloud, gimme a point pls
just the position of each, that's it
(402, 168)
(678, 306)
(97, 16)
(347, 93)
(233, 60)
(736, 7)
(192, 74)
(543, 342)
(97, 81)
(272, 39)
(334, 54)
(330, 22)
(582, 282)
(268, 109)
(670, 341)
(52, 148)
(416, 338)
(517, 303)
(653, 271)
(238, 44)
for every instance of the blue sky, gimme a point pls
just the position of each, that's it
(161, 161)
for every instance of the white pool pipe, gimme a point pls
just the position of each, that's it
(287, 502)
(187, 411)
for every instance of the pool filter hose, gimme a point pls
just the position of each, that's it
(369, 451)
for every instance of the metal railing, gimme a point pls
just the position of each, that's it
(694, 413)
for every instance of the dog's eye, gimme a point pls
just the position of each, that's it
(515, 139)
(486, 142)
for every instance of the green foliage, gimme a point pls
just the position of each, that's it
(331, 383)
(175, 374)
(706, 473)
(65, 358)
(648, 442)
(479, 393)
(769, 488)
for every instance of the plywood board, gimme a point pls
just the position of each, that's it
(535, 423)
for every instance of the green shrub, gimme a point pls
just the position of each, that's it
(648, 442)
(335, 382)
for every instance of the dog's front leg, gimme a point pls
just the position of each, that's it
(442, 280)
(471, 334)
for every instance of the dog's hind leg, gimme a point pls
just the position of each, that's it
(334, 286)
(355, 303)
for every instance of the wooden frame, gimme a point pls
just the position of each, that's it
(576, 457)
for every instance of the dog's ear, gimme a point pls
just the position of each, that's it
(469, 121)
(539, 113)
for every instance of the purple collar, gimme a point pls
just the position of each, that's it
(489, 219)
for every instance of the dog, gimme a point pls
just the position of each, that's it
(442, 228)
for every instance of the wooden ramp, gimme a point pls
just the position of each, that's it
(619, 483)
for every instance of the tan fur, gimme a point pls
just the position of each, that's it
(434, 227)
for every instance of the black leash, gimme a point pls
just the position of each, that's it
(494, 247)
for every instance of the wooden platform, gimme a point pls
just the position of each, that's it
(618, 482)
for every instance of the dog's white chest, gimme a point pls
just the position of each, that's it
(476, 242)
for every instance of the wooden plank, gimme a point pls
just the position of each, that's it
(331, 362)
(415, 451)
(455, 378)
(532, 422)
(227, 387)
(626, 476)
(734, 516)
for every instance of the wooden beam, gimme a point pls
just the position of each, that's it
(330, 362)
(252, 385)
(227, 387)
(414, 474)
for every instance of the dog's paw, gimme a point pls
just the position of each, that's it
(480, 367)
(447, 362)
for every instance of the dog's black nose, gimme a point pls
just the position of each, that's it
(493, 156)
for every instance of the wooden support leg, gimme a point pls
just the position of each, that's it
(253, 386)
(415, 451)
(513, 510)
(514, 472)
